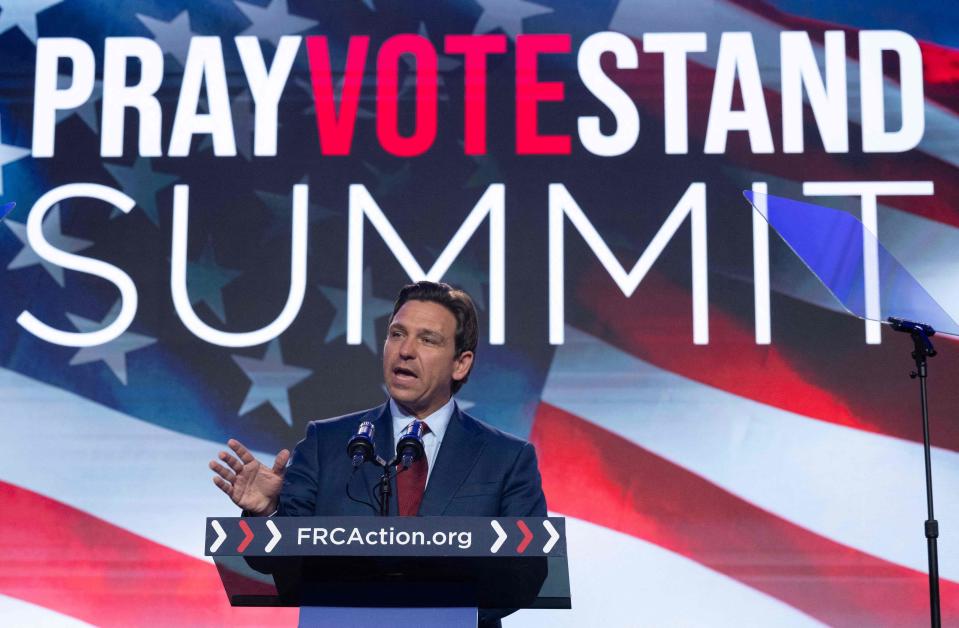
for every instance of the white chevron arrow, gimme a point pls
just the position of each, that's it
(220, 535)
(500, 534)
(553, 536)
(276, 536)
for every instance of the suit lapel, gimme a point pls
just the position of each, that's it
(460, 450)
(383, 438)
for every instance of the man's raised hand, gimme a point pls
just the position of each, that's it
(251, 485)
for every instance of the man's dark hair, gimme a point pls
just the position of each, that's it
(458, 302)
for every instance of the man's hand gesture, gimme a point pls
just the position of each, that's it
(251, 485)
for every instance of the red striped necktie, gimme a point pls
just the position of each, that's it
(411, 483)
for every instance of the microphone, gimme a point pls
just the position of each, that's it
(409, 449)
(360, 447)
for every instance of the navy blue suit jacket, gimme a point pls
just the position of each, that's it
(479, 471)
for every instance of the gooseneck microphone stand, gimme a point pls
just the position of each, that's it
(922, 349)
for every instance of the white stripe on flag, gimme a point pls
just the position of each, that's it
(858, 488)
(620, 580)
(150, 480)
(16, 612)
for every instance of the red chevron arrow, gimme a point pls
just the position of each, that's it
(247, 536)
(527, 536)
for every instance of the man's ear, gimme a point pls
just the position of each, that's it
(461, 365)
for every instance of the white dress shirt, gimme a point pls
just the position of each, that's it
(438, 422)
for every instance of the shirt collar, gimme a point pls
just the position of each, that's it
(438, 421)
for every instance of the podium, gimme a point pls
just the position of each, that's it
(364, 571)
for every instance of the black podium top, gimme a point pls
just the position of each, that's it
(503, 562)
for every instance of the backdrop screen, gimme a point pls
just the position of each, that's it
(217, 203)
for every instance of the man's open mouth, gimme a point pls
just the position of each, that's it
(402, 372)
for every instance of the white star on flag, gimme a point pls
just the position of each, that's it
(141, 182)
(54, 235)
(22, 14)
(173, 37)
(113, 353)
(273, 21)
(507, 15)
(373, 308)
(271, 381)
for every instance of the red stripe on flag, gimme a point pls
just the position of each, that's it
(594, 475)
(831, 376)
(63, 559)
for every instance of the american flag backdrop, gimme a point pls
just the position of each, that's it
(729, 447)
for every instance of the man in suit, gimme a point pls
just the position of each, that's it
(470, 468)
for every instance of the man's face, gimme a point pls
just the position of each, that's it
(419, 361)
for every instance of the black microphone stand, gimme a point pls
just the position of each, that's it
(922, 349)
(385, 487)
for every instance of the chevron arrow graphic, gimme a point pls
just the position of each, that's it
(220, 535)
(553, 537)
(276, 536)
(247, 536)
(527, 536)
(500, 536)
